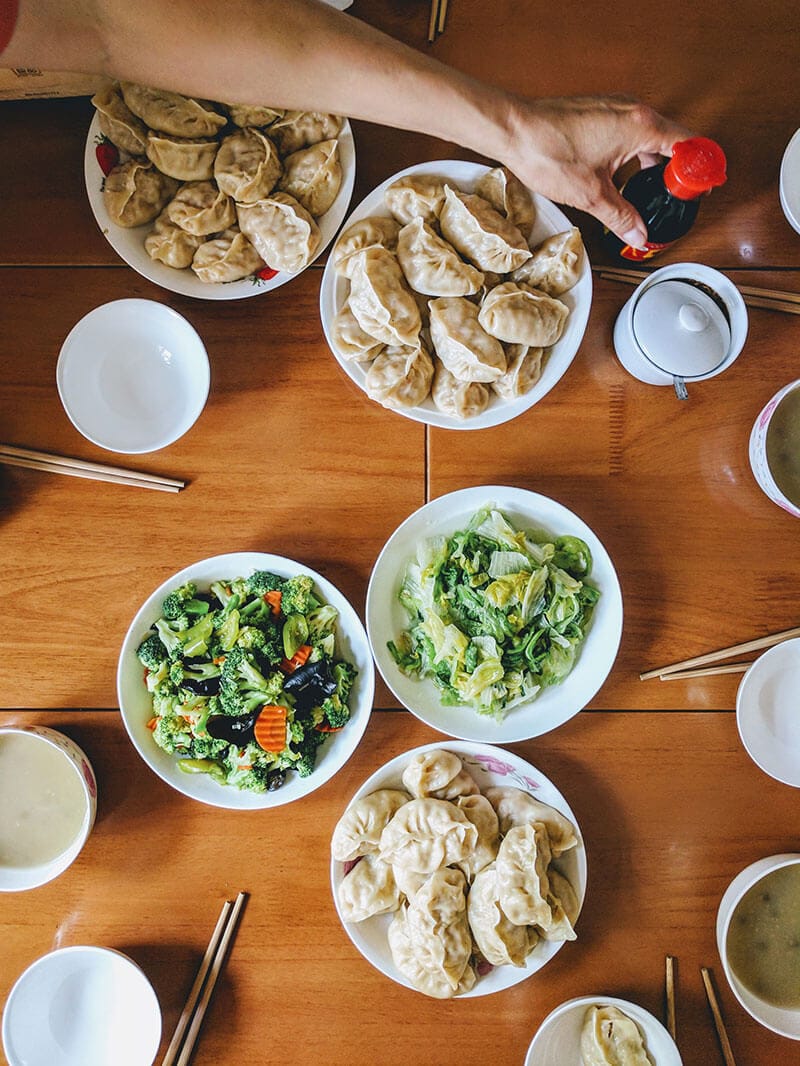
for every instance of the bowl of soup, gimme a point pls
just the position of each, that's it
(775, 448)
(758, 939)
(48, 796)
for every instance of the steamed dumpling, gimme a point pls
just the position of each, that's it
(564, 908)
(368, 889)
(556, 263)
(349, 339)
(281, 230)
(499, 940)
(170, 245)
(118, 122)
(522, 882)
(456, 398)
(363, 234)
(228, 257)
(313, 176)
(247, 166)
(508, 196)
(415, 196)
(299, 129)
(380, 298)
(519, 315)
(135, 193)
(245, 115)
(524, 370)
(183, 158)
(481, 813)
(400, 376)
(172, 113)
(515, 807)
(427, 772)
(358, 831)
(426, 834)
(199, 207)
(431, 265)
(463, 346)
(610, 1038)
(481, 234)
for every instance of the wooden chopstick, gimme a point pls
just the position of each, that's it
(203, 987)
(706, 671)
(442, 17)
(11, 455)
(766, 299)
(723, 653)
(669, 992)
(716, 1014)
(434, 20)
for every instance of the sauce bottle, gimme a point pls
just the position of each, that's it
(667, 196)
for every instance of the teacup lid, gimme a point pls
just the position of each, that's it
(681, 329)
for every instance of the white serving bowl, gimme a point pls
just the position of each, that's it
(133, 376)
(766, 712)
(136, 706)
(558, 1039)
(20, 878)
(82, 1006)
(759, 463)
(129, 243)
(490, 767)
(386, 617)
(789, 182)
(549, 220)
(781, 1020)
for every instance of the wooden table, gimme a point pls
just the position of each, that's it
(289, 457)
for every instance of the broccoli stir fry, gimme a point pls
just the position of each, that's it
(244, 679)
(496, 614)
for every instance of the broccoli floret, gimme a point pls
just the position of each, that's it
(242, 686)
(251, 638)
(297, 595)
(151, 652)
(344, 674)
(261, 581)
(172, 734)
(337, 714)
(181, 601)
(222, 591)
(207, 748)
(166, 699)
(169, 638)
(307, 749)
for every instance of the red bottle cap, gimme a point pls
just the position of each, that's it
(697, 165)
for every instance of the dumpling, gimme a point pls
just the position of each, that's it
(555, 265)
(499, 941)
(481, 234)
(508, 196)
(313, 176)
(368, 889)
(415, 196)
(431, 265)
(564, 908)
(135, 193)
(429, 771)
(349, 339)
(380, 298)
(228, 257)
(459, 399)
(400, 376)
(199, 207)
(522, 882)
(170, 245)
(246, 115)
(363, 234)
(118, 122)
(431, 981)
(182, 157)
(463, 346)
(611, 1038)
(524, 370)
(281, 231)
(481, 813)
(408, 881)
(299, 129)
(172, 113)
(515, 807)
(247, 166)
(426, 834)
(358, 831)
(519, 315)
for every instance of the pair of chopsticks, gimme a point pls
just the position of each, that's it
(705, 665)
(437, 19)
(62, 464)
(713, 1004)
(182, 1044)
(767, 299)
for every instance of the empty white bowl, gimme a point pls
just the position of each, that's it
(766, 712)
(789, 184)
(133, 376)
(82, 1006)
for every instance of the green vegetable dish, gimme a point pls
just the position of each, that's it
(245, 680)
(496, 614)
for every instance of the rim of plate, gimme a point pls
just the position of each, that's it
(386, 617)
(495, 766)
(767, 734)
(129, 243)
(549, 219)
(789, 182)
(134, 701)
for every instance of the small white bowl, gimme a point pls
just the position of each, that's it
(558, 1039)
(789, 182)
(766, 712)
(133, 376)
(19, 878)
(82, 1006)
(758, 451)
(781, 1020)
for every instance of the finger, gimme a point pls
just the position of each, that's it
(620, 216)
(649, 159)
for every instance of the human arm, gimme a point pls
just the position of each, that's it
(303, 54)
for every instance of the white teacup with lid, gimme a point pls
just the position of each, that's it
(685, 322)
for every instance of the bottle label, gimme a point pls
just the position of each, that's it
(638, 254)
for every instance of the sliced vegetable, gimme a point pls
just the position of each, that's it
(295, 633)
(270, 728)
(273, 598)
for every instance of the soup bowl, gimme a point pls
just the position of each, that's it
(774, 456)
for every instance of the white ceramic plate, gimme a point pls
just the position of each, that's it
(766, 712)
(558, 1040)
(129, 243)
(549, 220)
(133, 376)
(789, 182)
(386, 617)
(490, 767)
(135, 702)
(82, 1006)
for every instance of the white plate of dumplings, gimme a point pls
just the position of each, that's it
(398, 796)
(386, 371)
(129, 243)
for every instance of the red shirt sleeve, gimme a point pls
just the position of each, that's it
(8, 20)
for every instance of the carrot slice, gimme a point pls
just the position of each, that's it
(273, 598)
(152, 724)
(270, 728)
(300, 658)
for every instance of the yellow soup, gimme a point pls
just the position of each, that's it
(764, 938)
(783, 446)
